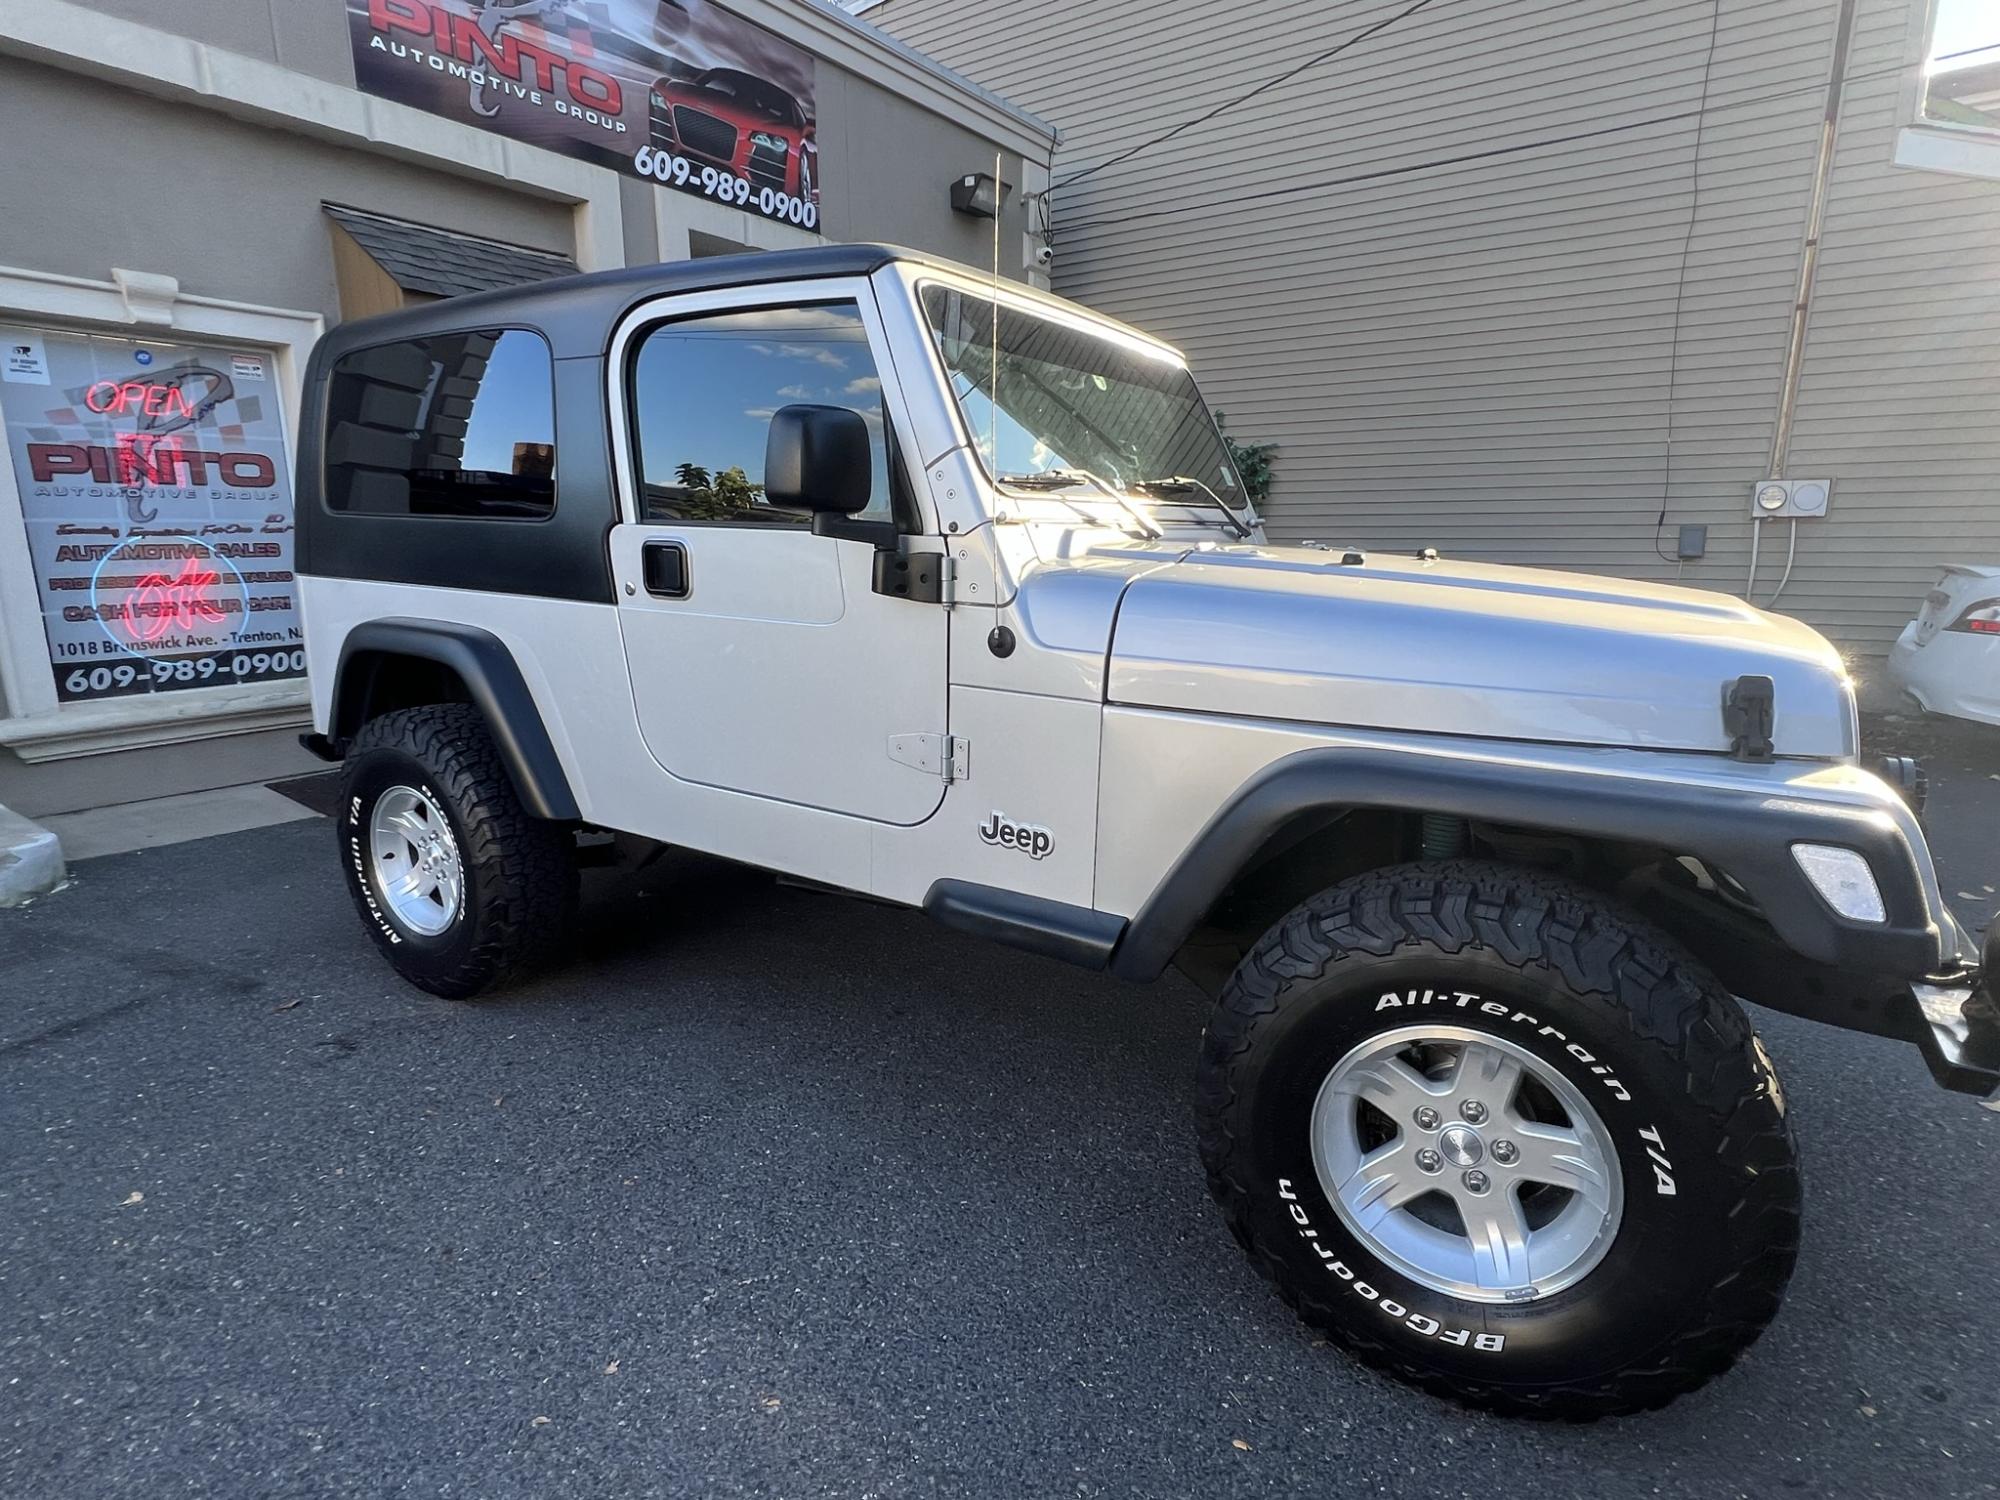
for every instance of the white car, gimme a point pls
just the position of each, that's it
(1948, 658)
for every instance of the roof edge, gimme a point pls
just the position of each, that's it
(619, 287)
(339, 212)
(875, 36)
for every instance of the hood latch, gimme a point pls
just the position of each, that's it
(1749, 716)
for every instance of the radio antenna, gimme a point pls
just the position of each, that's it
(993, 396)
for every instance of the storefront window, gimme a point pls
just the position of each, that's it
(154, 486)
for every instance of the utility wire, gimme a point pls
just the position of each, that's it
(1680, 283)
(1293, 189)
(1244, 98)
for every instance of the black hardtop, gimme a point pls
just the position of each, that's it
(563, 556)
(577, 313)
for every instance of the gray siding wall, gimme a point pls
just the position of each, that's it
(1470, 272)
(1900, 397)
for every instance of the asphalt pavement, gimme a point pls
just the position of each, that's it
(771, 1192)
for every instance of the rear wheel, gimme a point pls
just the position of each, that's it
(461, 888)
(1501, 1140)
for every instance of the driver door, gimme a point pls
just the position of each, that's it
(761, 660)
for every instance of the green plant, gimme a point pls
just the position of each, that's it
(1253, 461)
(718, 496)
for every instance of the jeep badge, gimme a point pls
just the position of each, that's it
(1031, 839)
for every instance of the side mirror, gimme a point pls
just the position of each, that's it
(816, 458)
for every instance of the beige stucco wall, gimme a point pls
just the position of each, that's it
(230, 209)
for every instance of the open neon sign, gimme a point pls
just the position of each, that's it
(150, 398)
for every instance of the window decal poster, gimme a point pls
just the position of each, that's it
(154, 483)
(679, 92)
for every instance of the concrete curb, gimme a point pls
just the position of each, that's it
(31, 859)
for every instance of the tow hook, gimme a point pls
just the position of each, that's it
(1959, 1028)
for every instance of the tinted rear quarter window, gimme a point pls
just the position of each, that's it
(453, 424)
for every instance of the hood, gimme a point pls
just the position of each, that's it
(1467, 649)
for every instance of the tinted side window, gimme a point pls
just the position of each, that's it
(458, 424)
(704, 391)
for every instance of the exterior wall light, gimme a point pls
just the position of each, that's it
(978, 194)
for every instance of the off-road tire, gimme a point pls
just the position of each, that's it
(518, 871)
(1700, 1259)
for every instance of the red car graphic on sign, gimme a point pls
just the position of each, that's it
(740, 123)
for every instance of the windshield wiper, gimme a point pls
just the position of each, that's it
(1051, 479)
(1180, 484)
(1042, 479)
(1047, 480)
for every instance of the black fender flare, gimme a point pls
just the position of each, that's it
(492, 679)
(1745, 832)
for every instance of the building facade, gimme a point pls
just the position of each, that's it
(1548, 281)
(197, 190)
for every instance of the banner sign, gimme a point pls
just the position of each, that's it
(154, 483)
(678, 92)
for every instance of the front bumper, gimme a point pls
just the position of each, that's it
(1958, 1025)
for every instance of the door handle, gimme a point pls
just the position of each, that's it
(665, 567)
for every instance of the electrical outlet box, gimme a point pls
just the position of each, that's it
(1693, 544)
(1794, 499)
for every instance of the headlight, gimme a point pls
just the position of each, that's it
(763, 140)
(1843, 878)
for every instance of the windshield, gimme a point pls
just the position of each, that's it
(753, 94)
(1073, 404)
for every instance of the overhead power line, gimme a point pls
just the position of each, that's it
(1229, 104)
(1290, 190)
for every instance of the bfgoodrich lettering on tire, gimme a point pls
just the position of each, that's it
(460, 887)
(1502, 1140)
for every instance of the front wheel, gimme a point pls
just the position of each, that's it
(1501, 1140)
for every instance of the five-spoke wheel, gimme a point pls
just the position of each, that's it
(415, 859)
(1467, 1163)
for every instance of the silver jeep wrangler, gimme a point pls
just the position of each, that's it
(850, 564)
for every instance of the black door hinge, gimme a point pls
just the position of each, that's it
(1749, 716)
(925, 577)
